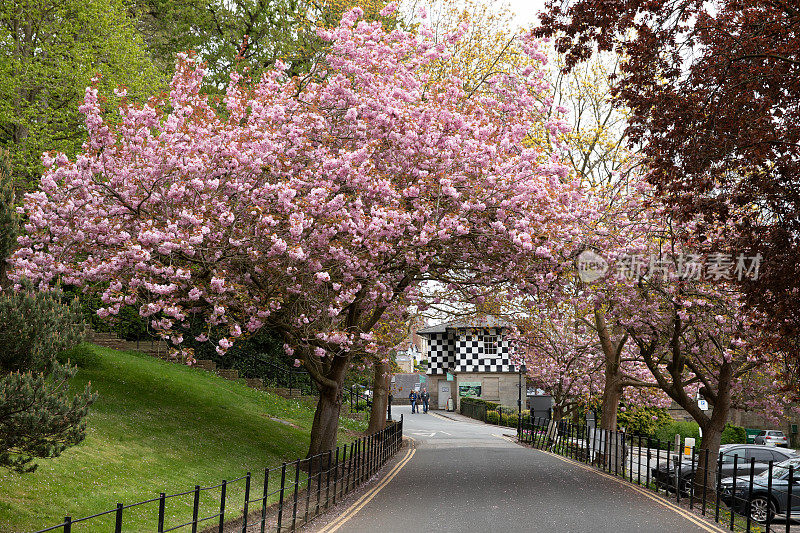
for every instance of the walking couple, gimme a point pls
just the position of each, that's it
(416, 397)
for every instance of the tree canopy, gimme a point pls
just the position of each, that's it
(712, 90)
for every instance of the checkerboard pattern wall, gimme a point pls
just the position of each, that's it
(470, 353)
(463, 350)
(440, 353)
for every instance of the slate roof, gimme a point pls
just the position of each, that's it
(474, 322)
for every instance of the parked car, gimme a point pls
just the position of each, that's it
(764, 501)
(772, 437)
(664, 473)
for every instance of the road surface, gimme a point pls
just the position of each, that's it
(465, 476)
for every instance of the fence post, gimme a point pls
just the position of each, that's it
(346, 486)
(735, 485)
(195, 508)
(161, 504)
(246, 502)
(639, 462)
(327, 481)
(705, 481)
(691, 482)
(264, 497)
(118, 519)
(789, 499)
(67, 524)
(750, 492)
(296, 488)
(769, 494)
(360, 460)
(716, 489)
(678, 473)
(280, 498)
(310, 481)
(370, 455)
(222, 505)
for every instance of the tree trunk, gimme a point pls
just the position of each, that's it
(380, 396)
(713, 427)
(612, 394)
(712, 436)
(325, 428)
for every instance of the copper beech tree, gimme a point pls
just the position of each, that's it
(712, 89)
(308, 205)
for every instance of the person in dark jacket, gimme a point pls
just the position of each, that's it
(413, 398)
(425, 397)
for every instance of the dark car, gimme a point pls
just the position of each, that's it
(664, 473)
(764, 500)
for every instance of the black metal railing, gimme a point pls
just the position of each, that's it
(295, 379)
(274, 375)
(355, 398)
(753, 497)
(284, 498)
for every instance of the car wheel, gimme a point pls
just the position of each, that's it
(760, 508)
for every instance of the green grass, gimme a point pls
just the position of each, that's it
(158, 427)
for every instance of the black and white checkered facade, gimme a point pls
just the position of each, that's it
(469, 350)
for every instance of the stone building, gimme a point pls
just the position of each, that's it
(471, 358)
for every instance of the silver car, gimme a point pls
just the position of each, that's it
(772, 437)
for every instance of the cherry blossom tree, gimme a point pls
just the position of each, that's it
(558, 357)
(308, 205)
(701, 338)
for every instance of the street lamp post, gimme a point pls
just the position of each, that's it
(519, 402)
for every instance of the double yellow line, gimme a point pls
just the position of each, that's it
(683, 512)
(365, 499)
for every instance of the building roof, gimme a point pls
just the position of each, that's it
(473, 322)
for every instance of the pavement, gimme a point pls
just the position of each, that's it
(461, 475)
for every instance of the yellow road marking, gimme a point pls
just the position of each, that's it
(440, 416)
(366, 498)
(509, 439)
(686, 514)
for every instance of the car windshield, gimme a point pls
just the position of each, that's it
(781, 470)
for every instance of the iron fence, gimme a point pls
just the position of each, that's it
(279, 500)
(747, 497)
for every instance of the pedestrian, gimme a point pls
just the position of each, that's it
(413, 398)
(425, 399)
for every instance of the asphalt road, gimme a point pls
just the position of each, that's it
(464, 476)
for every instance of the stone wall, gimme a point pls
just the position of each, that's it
(155, 347)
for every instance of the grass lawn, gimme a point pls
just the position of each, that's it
(158, 427)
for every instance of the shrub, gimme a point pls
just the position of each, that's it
(511, 420)
(644, 420)
(685, 429)
(733, 435)
(493, 417)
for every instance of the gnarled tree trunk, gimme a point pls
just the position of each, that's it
(325, 428)
(329, 376)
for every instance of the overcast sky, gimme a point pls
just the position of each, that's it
(525, 10)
